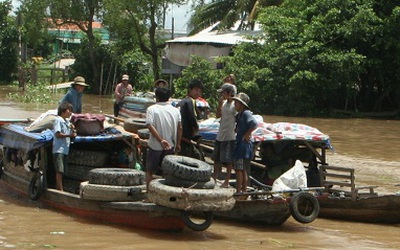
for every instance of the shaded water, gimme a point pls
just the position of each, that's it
(26, 225)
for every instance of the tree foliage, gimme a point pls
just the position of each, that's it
(318, 56)
(136, 24)
(8, 43)
(81, 13)
(227, 12)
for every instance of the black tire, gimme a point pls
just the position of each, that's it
(78, 172)
(111, 193)
(208, 219)
(36, 186)
(304, 207)
(199, 200)
(133, 125)
(88, 158)
(186, 168)
(171, 180)
(116, 176)
(144, 133)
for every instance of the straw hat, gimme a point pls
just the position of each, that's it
(243, 98)
(79, 80)
(125, 78)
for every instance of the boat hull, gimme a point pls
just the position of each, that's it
(265, 212)
(135, 214)
(379, 209)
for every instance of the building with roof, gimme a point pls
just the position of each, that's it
(208, 44)
(69, 35)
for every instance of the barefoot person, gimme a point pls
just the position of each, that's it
(245, 125)
(63, 132)
(225, 143)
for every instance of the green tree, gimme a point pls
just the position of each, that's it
(81, 13)
(135, 23)
(227, 12)
(8, 43)
(318, 56)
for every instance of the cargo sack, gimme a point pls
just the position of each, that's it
(88, 124)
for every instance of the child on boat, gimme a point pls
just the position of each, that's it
(245, 125)
(63, 132)
(225, 141)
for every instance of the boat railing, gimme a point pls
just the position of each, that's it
(341, 180)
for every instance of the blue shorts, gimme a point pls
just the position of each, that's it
(155, 157)
(223, 152)
(60, 162)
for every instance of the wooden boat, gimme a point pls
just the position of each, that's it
(267, 207)
(26, 168)
(12, 120)
(344, 200)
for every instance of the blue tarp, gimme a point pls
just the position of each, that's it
(14, 136)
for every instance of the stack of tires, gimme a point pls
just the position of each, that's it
(114, 184)
(81, 162)
(188, 186)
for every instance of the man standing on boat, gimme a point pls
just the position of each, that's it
(164, 123)
(225, 143)
(190, 126)
(122, 89)
(75, 93)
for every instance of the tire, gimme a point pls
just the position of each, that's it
(116, 176)
(88, 158)
(144, 133)
(111, 193)
(208, 219)
(36, 186)
(201, 200)
(133, 125)
(186, 168)
(78, 172)
(171, 180)
(304, 207)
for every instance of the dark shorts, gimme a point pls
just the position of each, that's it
(223, 152)
(155, 157)
(242, 164)
(60, 162)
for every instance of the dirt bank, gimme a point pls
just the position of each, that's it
(385, 174)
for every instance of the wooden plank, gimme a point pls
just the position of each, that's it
(341, 176)
(337, 183)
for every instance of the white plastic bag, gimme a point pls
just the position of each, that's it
(292, 179)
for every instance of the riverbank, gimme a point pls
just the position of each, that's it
(385, 174)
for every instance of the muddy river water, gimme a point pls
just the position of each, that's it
(371, 146)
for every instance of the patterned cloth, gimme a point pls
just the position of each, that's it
(208, 129)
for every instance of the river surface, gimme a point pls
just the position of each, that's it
(27, 225)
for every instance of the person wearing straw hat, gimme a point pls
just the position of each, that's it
(160, 83)
(245, 125)
(75, 93)
(122, 89)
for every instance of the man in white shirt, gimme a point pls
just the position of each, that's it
(164, 123)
